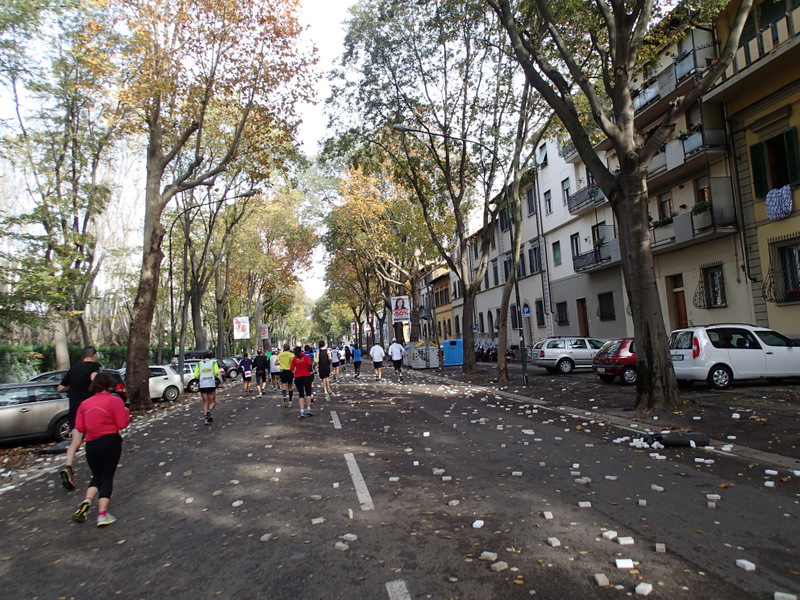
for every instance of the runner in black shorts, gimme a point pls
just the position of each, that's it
(260, 365)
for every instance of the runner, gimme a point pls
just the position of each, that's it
(246, 367)
(324, 361)
(396, 352)
(334, 362)
(287, 377)
(357, 361)
(301, 366)
(376, 353)
(274, 369)
(99, 420)
(342, 359)
(348, 354)
(207, 372)
(309, 352)
(261, 365)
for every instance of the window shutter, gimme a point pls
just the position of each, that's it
(792, 155)
(759, 170)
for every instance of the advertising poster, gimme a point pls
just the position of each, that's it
(401, 309)
(241, 328)
(263, 332)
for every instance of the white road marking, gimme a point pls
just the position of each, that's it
(337, 424)
(397, 590)
(358, 480)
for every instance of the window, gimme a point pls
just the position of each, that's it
(775, 162)
(490, 321)
(578, 343)
(458, 324)
(514, 316)
(702, 190)
(534, 259)
(714, 284)
(556, 253)
(480, 323)
(562, 317)
(495, 275)
(596, 236)
(486, 280)
(575, 244)
(539, 313)
(565, 190)
(521, 264)
(531, 201)
(782, 282)
(605, 309)
(492, 242)
(543, 155)
(664, 205)
(504, 220)
(506, 267)
(548, 202)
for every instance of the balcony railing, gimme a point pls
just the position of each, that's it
(600, 256)
(590, 195)
(763, 43)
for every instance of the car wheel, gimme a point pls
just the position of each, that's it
(628, 375)
(606, 378)
(171, 393)
(193, 386)
(61, 431)
(233, 373)
(565, 365)
(720, 377)
(685, 383)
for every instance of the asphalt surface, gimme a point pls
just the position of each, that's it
(254, 505)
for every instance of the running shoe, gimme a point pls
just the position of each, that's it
(67, 478)
(106, 519)
(209, 418)
(290, 405)
(302, 416)
(308, 413)
(80, 514)
(285, 405)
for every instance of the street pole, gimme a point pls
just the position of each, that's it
(247, 194)
(514, 257)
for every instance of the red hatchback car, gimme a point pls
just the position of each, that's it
(617, 358)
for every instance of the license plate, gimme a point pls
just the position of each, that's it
(677, 357)
(601, 369)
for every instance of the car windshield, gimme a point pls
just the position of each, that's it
(611, 347)
(680, 340)
(596, 344)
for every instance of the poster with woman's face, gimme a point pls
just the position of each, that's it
(401, 309)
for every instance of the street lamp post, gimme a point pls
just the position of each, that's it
(402, 128)
(247, 194)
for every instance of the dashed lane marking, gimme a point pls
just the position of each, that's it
(397, 590)
(337, 424)
(358, 480)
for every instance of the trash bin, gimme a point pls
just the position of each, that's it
(423, 355)
(453, 353)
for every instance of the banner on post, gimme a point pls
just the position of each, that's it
(263, 332)
(241, 328)
(401, 309)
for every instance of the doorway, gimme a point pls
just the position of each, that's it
(679, 317)
(583, 317)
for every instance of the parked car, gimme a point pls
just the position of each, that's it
(164, 382)
(722, 353)
(119, 383)
(563, 354)
(230, 367)
(31, 410)
(617, 358)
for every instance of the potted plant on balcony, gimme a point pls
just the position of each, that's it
(701, 215)
(663, 229)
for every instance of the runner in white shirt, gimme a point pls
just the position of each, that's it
(376, 353)
(396, 352)
(274, 370)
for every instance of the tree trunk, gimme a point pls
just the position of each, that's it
(652, 348)
(502, 366)
(60, 344)
(470, 364)
(137, 374)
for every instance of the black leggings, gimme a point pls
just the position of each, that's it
(303, 385)
(103, 454)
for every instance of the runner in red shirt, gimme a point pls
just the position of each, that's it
(302, 367)
(99, 420)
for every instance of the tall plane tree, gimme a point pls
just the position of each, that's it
(600, 46)
(205, 78)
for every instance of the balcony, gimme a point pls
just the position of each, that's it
(686, 155)
(770, 53)
(600, 257)
(687, 229)
(585, 199)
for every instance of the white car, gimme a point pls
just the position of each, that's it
(721, 353)
(164, 382)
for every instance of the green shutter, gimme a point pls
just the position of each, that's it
(758, 168)
(792, 155)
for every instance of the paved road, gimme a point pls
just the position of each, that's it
(194, 504)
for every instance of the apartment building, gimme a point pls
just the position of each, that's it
(725, 238)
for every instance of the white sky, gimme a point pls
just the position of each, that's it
(325, 19)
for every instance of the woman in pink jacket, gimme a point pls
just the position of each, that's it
(99, 420)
